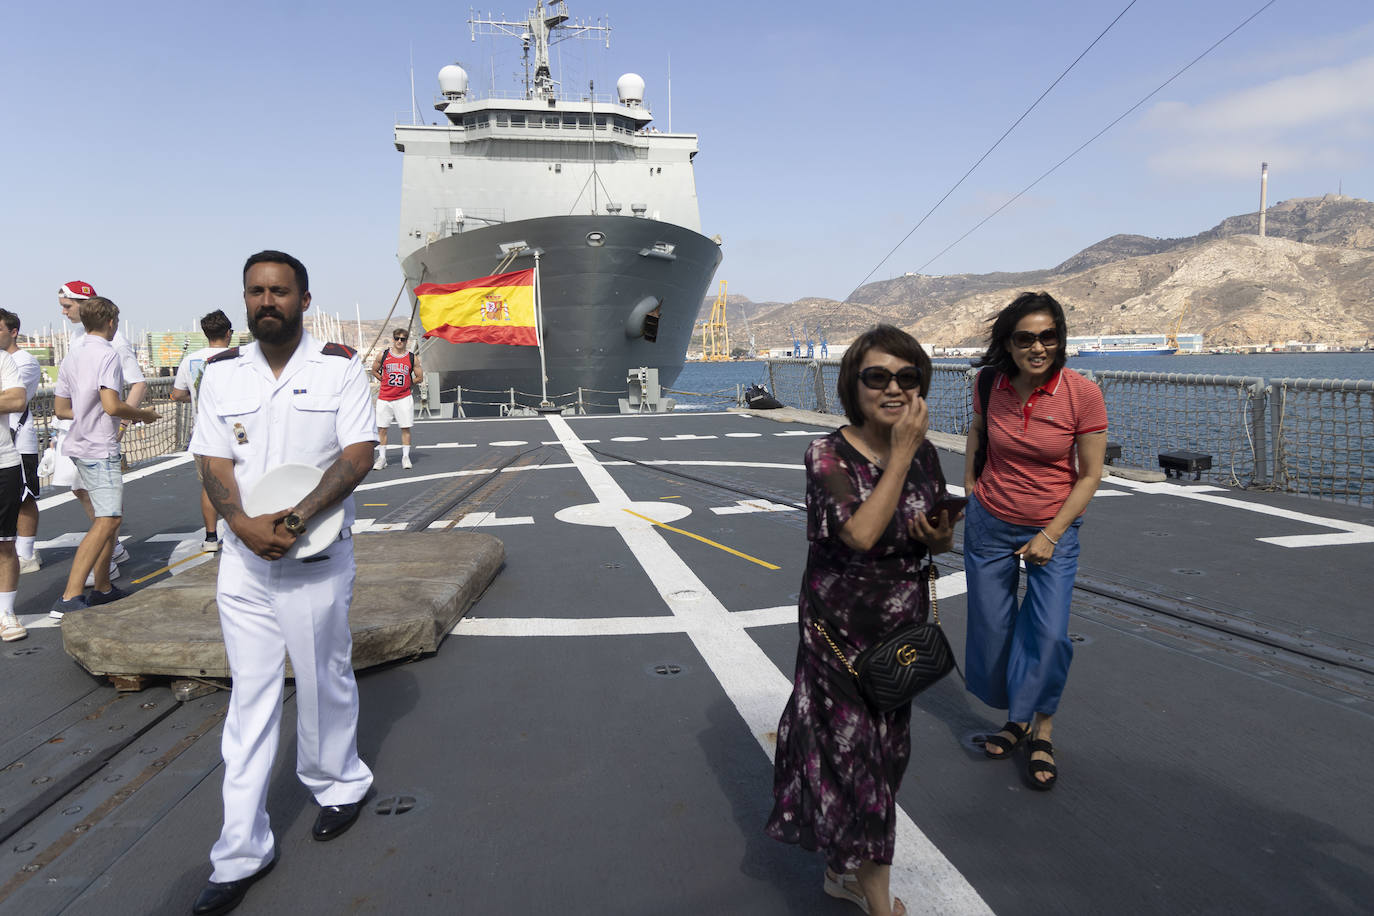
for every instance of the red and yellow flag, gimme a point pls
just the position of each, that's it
(497, 309)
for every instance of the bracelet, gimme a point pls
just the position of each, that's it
(1048, 538)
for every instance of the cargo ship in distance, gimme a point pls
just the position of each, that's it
(582, 184)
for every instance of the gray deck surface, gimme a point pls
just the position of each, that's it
(1206, 766)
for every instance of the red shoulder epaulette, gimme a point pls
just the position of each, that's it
(231, 353)
(338, 349)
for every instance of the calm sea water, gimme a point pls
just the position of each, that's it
(705, 378)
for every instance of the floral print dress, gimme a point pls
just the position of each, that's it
(839, 764)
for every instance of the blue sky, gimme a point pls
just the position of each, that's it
(149, 147)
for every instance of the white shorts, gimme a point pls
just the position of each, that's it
(400, 411)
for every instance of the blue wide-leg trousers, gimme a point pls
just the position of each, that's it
(1016, 657)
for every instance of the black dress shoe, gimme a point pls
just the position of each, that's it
(221, 898)
(334, 820)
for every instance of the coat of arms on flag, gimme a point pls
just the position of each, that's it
(498, 309)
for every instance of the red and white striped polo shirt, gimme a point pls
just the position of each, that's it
(1031, 463)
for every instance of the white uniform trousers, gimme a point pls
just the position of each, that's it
(302, 608)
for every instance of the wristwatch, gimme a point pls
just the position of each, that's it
(294, 524)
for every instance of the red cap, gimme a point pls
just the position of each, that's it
(76, 289)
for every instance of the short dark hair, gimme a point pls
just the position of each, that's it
(883, 337)
(998, 354)
(280, 257)
(10, 320)
(216, 325)
(405, 331)
(96, 312)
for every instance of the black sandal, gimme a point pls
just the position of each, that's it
(1004, 747)
(1042, 766)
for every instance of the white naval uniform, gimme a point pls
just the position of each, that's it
(319, 405)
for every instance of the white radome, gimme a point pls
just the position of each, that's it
(453, 81)
(630, 88)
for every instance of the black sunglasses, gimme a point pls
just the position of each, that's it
(877, 378)
(1049, 339)
(400, 337)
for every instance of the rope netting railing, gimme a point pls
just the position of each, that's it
(1323, 435)
(1308, 436)
(1217, 415)
(140, 443)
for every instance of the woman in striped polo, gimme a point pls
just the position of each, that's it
(1046, 436)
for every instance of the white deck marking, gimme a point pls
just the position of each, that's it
(742, 435)
(813, 433)
(629, 439)
(1350, 532)
(752, 505)
(49, 502)
(450, 445)
(178, 536)
(508, 443)
(756, 687)
(583, 441)
(485, 520)
(683, 437)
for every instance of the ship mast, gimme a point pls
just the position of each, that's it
(535, 31)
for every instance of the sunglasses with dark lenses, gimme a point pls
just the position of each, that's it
(876, 377)
(1049, 339)
(400, 338)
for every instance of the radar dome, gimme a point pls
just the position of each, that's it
(453, 81)
(630, 88)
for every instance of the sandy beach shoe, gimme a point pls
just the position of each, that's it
(845, 887)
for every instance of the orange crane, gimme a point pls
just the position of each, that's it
(1171, 338)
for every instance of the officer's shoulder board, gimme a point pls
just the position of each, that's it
(231, 353)
(338, 349)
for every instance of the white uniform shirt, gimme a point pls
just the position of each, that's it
(320, 405)
(30, 374)
(9, 378)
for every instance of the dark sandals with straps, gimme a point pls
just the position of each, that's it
(1003, 746)
(1042, 766)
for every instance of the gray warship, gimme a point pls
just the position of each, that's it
(583, 188)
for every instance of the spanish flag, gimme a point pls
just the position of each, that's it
(497, 310)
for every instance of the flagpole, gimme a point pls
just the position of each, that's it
(539, 321)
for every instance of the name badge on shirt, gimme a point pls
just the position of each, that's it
(240, 434)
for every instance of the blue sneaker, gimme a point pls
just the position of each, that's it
(66, 605)
(114, 594)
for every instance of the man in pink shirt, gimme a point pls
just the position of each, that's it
(89, 386)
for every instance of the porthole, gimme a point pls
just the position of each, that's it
(596, 239)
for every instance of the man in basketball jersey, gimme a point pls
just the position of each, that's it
(397, 370)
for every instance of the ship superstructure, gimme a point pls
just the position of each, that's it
(607, 203)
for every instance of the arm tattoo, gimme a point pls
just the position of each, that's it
(339, 480)
(226, 503)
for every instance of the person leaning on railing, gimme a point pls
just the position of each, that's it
(1046, 436)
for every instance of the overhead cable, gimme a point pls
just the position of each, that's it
(990, 149)
(1085, 143)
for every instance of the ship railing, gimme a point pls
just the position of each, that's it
(1309, 436)
(142, 442)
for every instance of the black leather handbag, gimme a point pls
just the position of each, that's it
(905, 662)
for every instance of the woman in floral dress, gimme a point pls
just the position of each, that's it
(869, 487)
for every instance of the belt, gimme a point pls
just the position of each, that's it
(343, 536)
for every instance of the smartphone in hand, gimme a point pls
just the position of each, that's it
(951, 504)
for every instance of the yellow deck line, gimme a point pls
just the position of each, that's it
(703, 540)
(157, 572)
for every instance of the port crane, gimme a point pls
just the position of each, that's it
(810, 344)
(753, 347)
(825, 344)
(796, 343)
(1171, 339)
(715, 332)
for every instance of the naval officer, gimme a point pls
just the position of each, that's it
(287, 398)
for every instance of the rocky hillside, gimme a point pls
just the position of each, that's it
(1310, 279)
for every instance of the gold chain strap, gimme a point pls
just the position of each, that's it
(934, 609)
